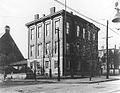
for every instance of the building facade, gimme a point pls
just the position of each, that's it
(78, 40)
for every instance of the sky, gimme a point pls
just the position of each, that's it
(16, 13)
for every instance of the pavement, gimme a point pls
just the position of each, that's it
(85, 80)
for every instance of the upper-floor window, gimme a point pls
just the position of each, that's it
(88, 35)
(57, 26)
(67, 27)
(67, 47)
(47, 48)
(46, 64)
(56, 46)
(83, 33)
(93, 36)
(32, 49)
(78, 30)
(47, 29)
(32, 33)
(84, 50)
(39, 49)
(78, 46)
(39, 31)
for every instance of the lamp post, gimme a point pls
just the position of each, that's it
(117, 15)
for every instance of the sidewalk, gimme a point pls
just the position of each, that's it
(65, 81)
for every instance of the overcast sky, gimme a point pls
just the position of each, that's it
(16, 13)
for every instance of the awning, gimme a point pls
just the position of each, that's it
(24, 62)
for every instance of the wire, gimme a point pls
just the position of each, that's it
(85, 16)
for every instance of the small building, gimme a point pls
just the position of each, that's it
(78, 44)
(113, 60)
(9, 52)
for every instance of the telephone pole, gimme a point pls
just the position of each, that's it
(107, 74)
(58, 56)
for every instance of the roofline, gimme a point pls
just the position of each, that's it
(45, 17)
(58, 13)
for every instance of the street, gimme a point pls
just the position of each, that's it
(63, 87)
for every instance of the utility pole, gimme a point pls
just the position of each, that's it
(91, 50)
(50, 70)
(107, 74)
(114, 59)
(58, 56)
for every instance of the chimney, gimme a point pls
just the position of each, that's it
(43, 15)
(7, 29)
(71, 12)
(36, 16)
(52, 10)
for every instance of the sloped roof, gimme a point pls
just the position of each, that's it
(1, 34)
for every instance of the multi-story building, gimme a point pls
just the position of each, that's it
(78, 43)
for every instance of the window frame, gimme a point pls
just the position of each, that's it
(31, 50)
(84, 33)
(94, 36)
(39, 31)
(67, 47)
(47, 29)
(55, 64)
(47, 48)
(56, 46)
(89, 35)
(32, 32)
(39, 49)
(46, 64)
(67, 27)
(78, 30)
(56, 27)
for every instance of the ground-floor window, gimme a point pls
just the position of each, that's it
(55, 64)
(68, 64)
(31, 65)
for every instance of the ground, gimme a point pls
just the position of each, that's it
(62, 87)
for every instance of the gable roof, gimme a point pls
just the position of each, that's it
(1, 34)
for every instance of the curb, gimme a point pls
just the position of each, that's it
(62, 81)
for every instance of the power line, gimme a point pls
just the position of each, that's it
(85, 16)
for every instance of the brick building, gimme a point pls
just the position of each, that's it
(9, 52)
(78, 43)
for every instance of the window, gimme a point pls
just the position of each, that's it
(46, 64)
(68, 64)
(67, 47)
(47, 48)
(88, 35)
(38, 66)
(78, 31)
(84, 50)
(32, 49)
(83, 33)
(67, 27)
(39, 49)
(32, 34)
(56, 26)
(39, 31)
(56, 46)
(47, 29)
(78, 46)
(31, 65)
(94, 36)
(55, 64)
